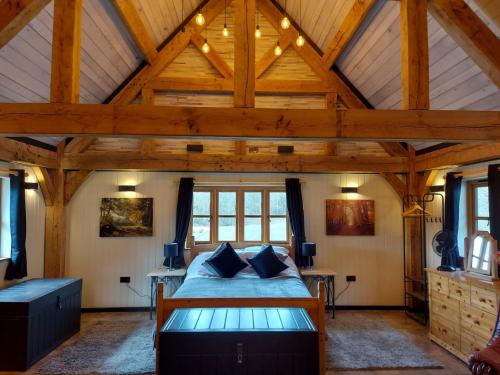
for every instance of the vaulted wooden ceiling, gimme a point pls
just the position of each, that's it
(371, 61)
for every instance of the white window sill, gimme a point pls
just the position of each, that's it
(4, 259)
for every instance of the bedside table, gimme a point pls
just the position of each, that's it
(168, 277)
(328, 276)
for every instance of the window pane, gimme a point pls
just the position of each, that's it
(253, 203)
(227, 203)
(483, 225)
(227, 229)
(482, 208)
(201, 203)
(277, 229)
(201, 229)
(475, 262)
(252, 230)
(277, 203)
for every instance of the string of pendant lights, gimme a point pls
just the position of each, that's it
(200, 20)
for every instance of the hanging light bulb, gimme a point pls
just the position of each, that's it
(258, 33)
(285, 23)
(300, 41)
(205, 47)
(225, 31)
(277, 50)
(199, 19)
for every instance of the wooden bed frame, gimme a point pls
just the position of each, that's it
(315, 306)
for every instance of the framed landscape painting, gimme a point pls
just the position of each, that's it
(126, 217)
(350, 217)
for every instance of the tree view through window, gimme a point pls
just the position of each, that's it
(242, 215)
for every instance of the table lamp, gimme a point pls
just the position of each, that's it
(170, 250)
(309, 250)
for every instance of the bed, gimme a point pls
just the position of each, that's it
(200, 289)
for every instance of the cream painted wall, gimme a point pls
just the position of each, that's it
(376, 261)
(35, 223)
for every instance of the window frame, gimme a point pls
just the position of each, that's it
(472, 217)
(240, 213)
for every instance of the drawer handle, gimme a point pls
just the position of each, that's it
(438, 283)
(444, 307)
(239, 353)
(477, 322)
(468, 316)
(482, 300)
(459, 291)
(444, 330)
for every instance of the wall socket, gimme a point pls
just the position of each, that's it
(125, 279)
(350, 278)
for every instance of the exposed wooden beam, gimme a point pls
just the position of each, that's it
(55, 219)
(79, 144)
(66, 39)
(414, 54)
(148, 96)
(270, 57)
(150, 121)
(240, 147)
(167, 54)
(458, 155)
(14, 151)
(396, 183)
(244, 53)
(227, 85)
(240, 163)
(212, 56)
(73, 180)
(394, 148)
(347, 29)
(470, 33)
(137, 29)
(15, 14)
(46, 184)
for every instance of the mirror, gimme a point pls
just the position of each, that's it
(480, 255)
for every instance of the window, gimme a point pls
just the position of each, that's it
(239, 215)
(479, 207)
(480, 254)
(5, 240)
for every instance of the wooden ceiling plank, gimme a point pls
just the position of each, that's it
(146, 121)
(212, 56)
(244, 53)
(18, 152)
(66, 40)
(458, 155)
(414, 54)
(240, 163)
(15, 15)
(470, 33)
(347, 29)
(137, 29)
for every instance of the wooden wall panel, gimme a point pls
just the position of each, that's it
(290, 66)
(190, 63)
(348, 255)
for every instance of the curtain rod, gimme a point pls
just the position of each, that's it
(6, 172)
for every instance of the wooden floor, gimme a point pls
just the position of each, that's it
(397, 319)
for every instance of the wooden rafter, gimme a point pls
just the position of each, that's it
(470, 33)
(414, 54)
(213, 57)
(149, 121)
(244, 54)
(347, 29)
(137, 29)
(66, 39)
(240, 163)
(458, 155)
(218, 85)
(15, 14)
(14, 151)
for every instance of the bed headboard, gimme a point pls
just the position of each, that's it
(195, 249)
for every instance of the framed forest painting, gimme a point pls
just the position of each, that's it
(126, 217)
(350, 217)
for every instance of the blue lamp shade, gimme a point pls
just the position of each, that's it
(170, 250)
(309, 249)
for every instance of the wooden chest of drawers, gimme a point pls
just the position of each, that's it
(463, 311)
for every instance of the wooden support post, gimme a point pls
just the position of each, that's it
(66, 39)
(55, 219)
(331, 103)
(244, 53)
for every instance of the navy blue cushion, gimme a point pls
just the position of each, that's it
(267, 264)
(224, 261)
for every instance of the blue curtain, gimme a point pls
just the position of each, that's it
(494, 199)
(183, 218)
(453, 189)
(296, 216)
(17, 268)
